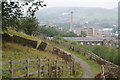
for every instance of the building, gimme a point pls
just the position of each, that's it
(89, 31)
(106, 32)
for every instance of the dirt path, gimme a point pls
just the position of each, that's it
(88, 72)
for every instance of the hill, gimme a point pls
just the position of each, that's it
(115, 9)
(61, 15)
(14, 50)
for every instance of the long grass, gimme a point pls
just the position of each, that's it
(13, 51)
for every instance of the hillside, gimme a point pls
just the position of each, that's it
(15, 51)
(115, 9)
(61, 15)
(19, 52)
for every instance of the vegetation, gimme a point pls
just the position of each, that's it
(13, 12)
(108, 53)
(19, 52)
(13, 19)
(98, 17)
(83, 34)
(13, 51)
(53, 31)
(10, 13)
(11, 31)
(31, 26)
(96, 67)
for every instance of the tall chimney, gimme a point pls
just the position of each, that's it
(71, 20)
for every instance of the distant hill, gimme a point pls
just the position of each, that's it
(115, 9)
(61, 15)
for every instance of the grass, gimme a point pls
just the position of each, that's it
(95, 67)
(78, 73)
(13, 51)
(18, 52)
(10, 31)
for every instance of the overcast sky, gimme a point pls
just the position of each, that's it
(109, 4)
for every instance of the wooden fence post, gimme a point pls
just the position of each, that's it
(62, 68)
(103, 75)
(27, 67)
(11, 69)
(49, 66)
(67, 66)
(56, 68)
(71, 68)
(39, 67)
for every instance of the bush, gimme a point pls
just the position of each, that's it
(57, 38)
(108, 53)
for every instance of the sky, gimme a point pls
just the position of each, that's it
(108, 4)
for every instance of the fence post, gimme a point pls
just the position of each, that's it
(49, 66)
(67, 66)
(11, 69)
(39, 67)
(71, 68)
(103, 76)
(62, 68)
(27, 67)
(56, 68)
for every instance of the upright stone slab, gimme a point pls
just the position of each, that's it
(42, 46)
(6, 37)
(24, 41)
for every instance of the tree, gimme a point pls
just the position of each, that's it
(13, 11)
(10, 13)
(29, 25)
(70, 34)
(53, 31)
(83, 34)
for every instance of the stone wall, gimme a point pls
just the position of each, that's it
(23, 41)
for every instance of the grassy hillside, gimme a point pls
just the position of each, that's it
(19, 52)
(14, 51)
